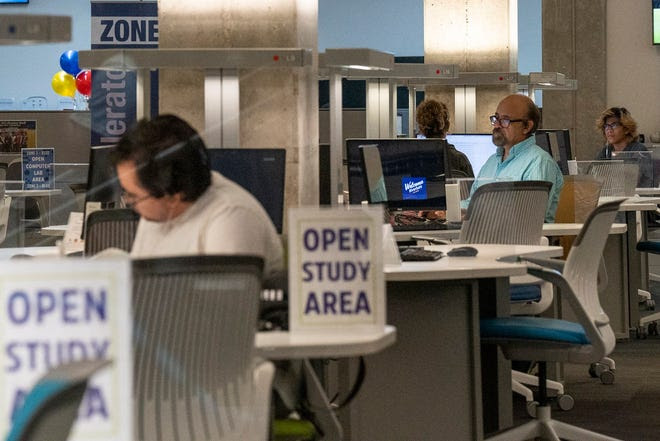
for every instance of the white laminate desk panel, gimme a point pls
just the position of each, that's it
(483, 265)
(550, 229)
(7, 253)
(279, 345)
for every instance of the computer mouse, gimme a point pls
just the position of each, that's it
(21, 256)
(462, 252)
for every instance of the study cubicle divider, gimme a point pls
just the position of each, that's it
(260, 171)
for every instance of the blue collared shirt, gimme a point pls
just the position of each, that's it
(526, 162)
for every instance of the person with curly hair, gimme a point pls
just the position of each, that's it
(619, 130)
(433, 122)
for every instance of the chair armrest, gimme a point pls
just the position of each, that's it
(555, 264)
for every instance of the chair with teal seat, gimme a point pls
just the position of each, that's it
(513, 212)
(51, 407)
(586, 341)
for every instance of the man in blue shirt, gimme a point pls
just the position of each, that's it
(518, 158)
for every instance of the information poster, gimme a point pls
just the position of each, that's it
(61, 310)
(17, 135)
(336, 269)
(37, 169)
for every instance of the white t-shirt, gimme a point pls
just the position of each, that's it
(226, 219)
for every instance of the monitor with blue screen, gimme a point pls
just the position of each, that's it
(259, 171)
(413, 172)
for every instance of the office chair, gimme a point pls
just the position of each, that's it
(513, 213)
(648, 324)
(5, 206)
(195, 373)
(612, 174)
(113, 228)
(553, 340)
(51, 407)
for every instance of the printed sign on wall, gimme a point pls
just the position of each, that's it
(336, 269)
(37, 169)
(58, 311)
(17, 135)
(120, 25)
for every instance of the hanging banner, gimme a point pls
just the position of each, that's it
(120, 25)
(56, 311)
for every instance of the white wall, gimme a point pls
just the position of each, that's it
(633, 63)
(27, 70)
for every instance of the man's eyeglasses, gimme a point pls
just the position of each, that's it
(611, 126)
(130, 200)
(503, 122)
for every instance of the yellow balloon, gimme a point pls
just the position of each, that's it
(64, 84)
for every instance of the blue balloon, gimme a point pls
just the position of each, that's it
(69, 62)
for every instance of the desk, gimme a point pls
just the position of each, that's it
(550, 229)
(44, 206)
(286, 346)
(637, 263)
(428, 385)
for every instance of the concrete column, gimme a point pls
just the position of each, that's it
(478, 36)
(278, 107)
(574, 43)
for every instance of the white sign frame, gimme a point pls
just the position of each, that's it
(94, 319)
(336, 280)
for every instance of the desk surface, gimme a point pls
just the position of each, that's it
(634, 203)
(279, 345)
(550, 229)
(483, 265)
(33, 193)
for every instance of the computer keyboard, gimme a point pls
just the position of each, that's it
(422, 226)
(414, 254)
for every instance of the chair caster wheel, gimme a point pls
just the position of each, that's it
(640, 333)
(653, 328)
(531, 408)
(650, 305)
(607, 377)
(592, 370)
(565, 402)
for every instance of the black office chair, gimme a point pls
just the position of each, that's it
(114, 228)
(195, 374)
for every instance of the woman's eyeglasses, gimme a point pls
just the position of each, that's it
(611, 126)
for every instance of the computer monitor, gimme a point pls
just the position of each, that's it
(259, 171)
(325, 194)
(543, 141)
(478, 147)
(414, 172)
(563, 139)
(102, 183)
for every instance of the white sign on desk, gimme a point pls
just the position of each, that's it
(336, 269)
(61, 310)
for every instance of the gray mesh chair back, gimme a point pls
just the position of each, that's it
(5, 206)
(612, 174)
(113, 228)
(195, 319)
(510, 212)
